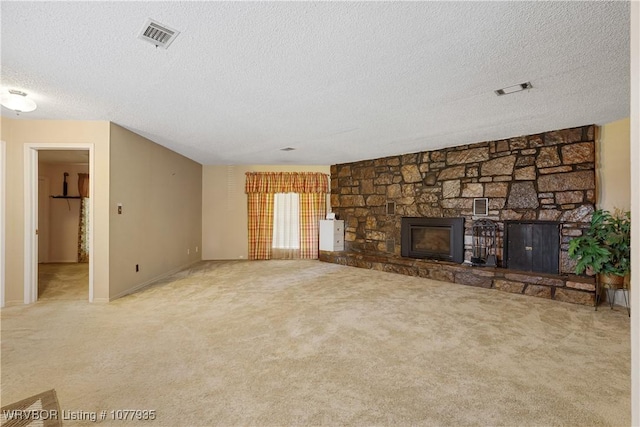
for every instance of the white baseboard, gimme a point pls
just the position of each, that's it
(13, 303)
(150, 281)
(619, 298)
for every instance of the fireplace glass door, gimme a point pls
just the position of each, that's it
(434, 240)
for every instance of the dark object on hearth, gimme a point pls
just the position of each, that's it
(484, 243)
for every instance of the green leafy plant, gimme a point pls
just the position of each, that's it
(605, 248)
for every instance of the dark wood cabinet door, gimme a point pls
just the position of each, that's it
(546, 248)
(519, 236)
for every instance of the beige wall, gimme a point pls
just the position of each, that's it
(64, 214)
(161, 193)
(161, 196)
(17, 133)
(614, 166)
(224, 207)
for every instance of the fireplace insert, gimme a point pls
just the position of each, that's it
(433, 238)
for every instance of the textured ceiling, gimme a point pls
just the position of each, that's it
(337, 81)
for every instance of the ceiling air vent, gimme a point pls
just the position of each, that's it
(158, 34)
(514, 88)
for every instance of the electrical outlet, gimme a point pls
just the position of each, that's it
(119, 208)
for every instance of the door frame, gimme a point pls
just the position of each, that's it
(3, 233)
(31, 213)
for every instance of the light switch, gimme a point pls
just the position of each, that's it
(119, 208)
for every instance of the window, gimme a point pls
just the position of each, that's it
(304, 193)
(286, 226)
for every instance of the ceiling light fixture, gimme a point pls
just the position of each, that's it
(513, 89)
(17, 101)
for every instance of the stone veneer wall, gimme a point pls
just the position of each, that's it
(548, 176)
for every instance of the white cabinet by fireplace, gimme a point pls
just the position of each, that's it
(331, 235)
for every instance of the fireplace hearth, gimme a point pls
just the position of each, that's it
(433, 238)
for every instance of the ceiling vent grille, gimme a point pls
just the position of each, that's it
(513, 89)
(158, 34)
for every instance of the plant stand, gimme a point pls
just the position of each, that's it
(625, 292)
(611, 295)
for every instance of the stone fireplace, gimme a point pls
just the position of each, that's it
(542, 177)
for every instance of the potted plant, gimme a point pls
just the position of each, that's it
(605, 248)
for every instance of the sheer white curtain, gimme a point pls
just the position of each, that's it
(286, 226)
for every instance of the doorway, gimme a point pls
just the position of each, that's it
(62, 270)
(52, 220)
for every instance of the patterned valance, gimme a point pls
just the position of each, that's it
(287, 182)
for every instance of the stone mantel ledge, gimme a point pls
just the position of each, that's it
(566, 288)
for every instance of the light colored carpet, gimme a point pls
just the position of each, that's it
(309, 343)
(68, 281)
